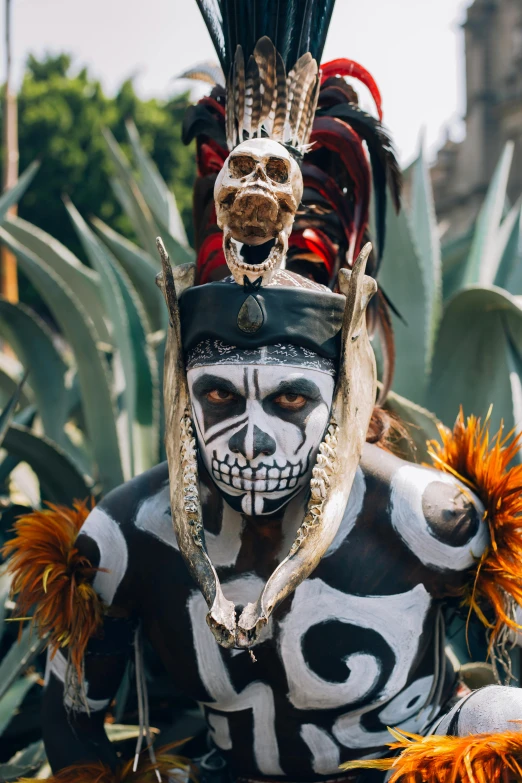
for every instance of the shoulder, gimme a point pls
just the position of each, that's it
(437, 516)
(106, 535)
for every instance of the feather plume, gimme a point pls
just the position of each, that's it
(230, 118)
(344, 67)
(265, 57)
(479, 758)
(238, 96)
(482, 462)
(295, 82)
(50, 575)
(147, 771)
(204, 72)
(281, 100)
(306, 106)
(253, 97)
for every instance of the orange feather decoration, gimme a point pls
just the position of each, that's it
(482, 462)
(146, 772)
(53, 579)
(479, 758)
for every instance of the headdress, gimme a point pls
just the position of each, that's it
(265, 118)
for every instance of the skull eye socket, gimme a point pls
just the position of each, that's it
(241, 166)
(277, 170)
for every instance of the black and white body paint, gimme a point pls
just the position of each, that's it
(349, 653)
(259, 428)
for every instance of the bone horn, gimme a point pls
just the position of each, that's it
(180, 446)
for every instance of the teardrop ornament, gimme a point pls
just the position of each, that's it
(250, 317)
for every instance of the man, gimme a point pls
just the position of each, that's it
(291, 577)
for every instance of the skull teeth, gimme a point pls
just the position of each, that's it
(239, 268)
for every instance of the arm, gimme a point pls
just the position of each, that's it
(73, 735)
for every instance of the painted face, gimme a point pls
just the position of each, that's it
(259, 428)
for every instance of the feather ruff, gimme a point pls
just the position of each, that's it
(479, 758)
(53, 579)
(147, 771)
(482, 462)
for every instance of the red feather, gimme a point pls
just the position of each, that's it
(344, 67)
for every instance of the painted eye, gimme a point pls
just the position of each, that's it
(291, 402)
(220, 396)
(241, 166)
(277, 170)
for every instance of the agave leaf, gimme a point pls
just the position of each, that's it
(113, 295)
(133, 202)
(93, 374)
(60, 479)
(419, 422)
(509, 273)
(9, 385)
(155, 191)
(454, 255)
(13, 698)
(9, 410)
(478, 346)
(177, 252)
(14, 194)
(83, 282)
(481, 265)
(23, 763)
(401, 278)
(17, 659)
(425, 235)
(32, 341)
(141, 270)
(5, 589)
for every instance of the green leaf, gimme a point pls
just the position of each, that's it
(83, 282)
(17, 659)
(420, 423)
(133, 202)
(9, 380)
(23, 763)
(112, 294)
(141, 270)
(60, 480)
(509, 273)
(32, 341)
(131, 330)
(424, 230)
(9, 410)
(14, 697)
(14, 194)
(401, 278)
(481, 266)
(93, 374)
(478, 346)
(454, 255)
(155, 191)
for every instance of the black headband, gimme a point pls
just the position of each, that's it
(265, 316)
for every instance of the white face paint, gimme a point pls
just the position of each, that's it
(259, 428)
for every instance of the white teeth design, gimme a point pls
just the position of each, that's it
(264, 478)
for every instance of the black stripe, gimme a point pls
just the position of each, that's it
(226, 429)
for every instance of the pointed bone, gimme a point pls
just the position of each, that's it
(180, 446)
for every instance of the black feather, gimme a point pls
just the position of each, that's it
(199, 121)
(385, 166)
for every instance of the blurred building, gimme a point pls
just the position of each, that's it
(493, 41)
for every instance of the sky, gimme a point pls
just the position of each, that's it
(413, 48)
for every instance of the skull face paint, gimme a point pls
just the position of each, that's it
(257, 193)
(259, 428)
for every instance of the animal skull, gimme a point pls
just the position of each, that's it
(257, 193)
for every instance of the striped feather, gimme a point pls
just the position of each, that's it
(239, 91)
(281, 97)
(253, 92)
(295, 83)
(265, 57)
(309, 82)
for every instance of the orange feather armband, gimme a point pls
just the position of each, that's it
(478, 758)
(483, 464)
(53, 580)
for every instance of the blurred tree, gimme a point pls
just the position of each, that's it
(61, 116)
